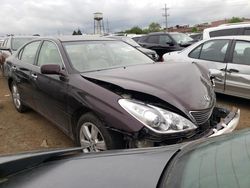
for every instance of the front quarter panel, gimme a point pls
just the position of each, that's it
(88, 96)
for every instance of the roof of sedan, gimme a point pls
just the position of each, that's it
(239, 37)
(82, 38)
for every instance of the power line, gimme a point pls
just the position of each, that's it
(166, 16)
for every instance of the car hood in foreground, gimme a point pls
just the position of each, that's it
(132, 168)
(181, 85)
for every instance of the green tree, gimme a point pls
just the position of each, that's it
(135, 30)
(235, 20)
(194, 30)
(74, 33)
(79, 32)
(154, 27)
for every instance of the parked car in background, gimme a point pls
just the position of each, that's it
(163, 42)
(105, 94)
(9, 46)
(196, 36)
(242, 28)
(137, 37)
(227, 58)
(151, 53)
(220, 162)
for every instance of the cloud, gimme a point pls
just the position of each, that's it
(48, 17)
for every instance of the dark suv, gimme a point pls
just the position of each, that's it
(163, 42)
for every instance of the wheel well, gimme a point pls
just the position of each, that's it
(75, 117)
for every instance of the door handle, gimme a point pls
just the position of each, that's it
(34, 76)
(229, 70)
(233, 70)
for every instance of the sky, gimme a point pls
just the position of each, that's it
(52, 17)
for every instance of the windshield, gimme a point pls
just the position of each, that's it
(98, 55)
(215, 163)
(18, 42)
(181, 38)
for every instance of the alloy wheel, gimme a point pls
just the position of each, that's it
(91, 138)
(16, 96)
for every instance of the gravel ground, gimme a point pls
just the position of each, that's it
(30, 131)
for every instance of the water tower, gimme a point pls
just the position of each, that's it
(98, 23)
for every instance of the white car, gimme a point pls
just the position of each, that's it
(227, 58)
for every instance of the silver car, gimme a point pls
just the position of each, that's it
(227, 58)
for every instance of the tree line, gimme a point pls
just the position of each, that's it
(156, 27)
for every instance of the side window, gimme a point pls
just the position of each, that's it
(247, 31)
(153, 39)
(49, 54)
(29, 52)
(164, 39)
(214, 50)
(5, 42)
(195, 53)
(8, 44)
(242, 53)
(224, 32)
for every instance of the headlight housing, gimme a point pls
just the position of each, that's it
(157, 119)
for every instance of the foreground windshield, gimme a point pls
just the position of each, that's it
(98, 55)
(181, 38)
(18, 42)
(224, 163)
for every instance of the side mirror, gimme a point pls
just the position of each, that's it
(170, 43)
(51, 69)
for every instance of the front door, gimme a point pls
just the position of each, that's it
(213, 56)
(238, 70)
(51, 90)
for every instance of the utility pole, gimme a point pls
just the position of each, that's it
(166, 16)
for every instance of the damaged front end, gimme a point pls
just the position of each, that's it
(168, 118)
(221, 121)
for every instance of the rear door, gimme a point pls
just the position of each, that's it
(238, 70)
(21, 71)
(213, 56)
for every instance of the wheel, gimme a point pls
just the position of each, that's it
(16, 99)
(93, 136)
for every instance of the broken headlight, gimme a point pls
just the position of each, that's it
(155, 118)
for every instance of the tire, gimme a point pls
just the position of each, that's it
(16, 97)
(93, 136)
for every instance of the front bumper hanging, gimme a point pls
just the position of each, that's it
(227, 124)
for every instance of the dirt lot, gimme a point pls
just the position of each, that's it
(30, 131)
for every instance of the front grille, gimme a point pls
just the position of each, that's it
(201, 116)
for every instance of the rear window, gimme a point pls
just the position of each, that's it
(224, 32)
(247, 31)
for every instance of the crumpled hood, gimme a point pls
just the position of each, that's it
(181, 85)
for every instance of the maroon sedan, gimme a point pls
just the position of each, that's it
(106, 94)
